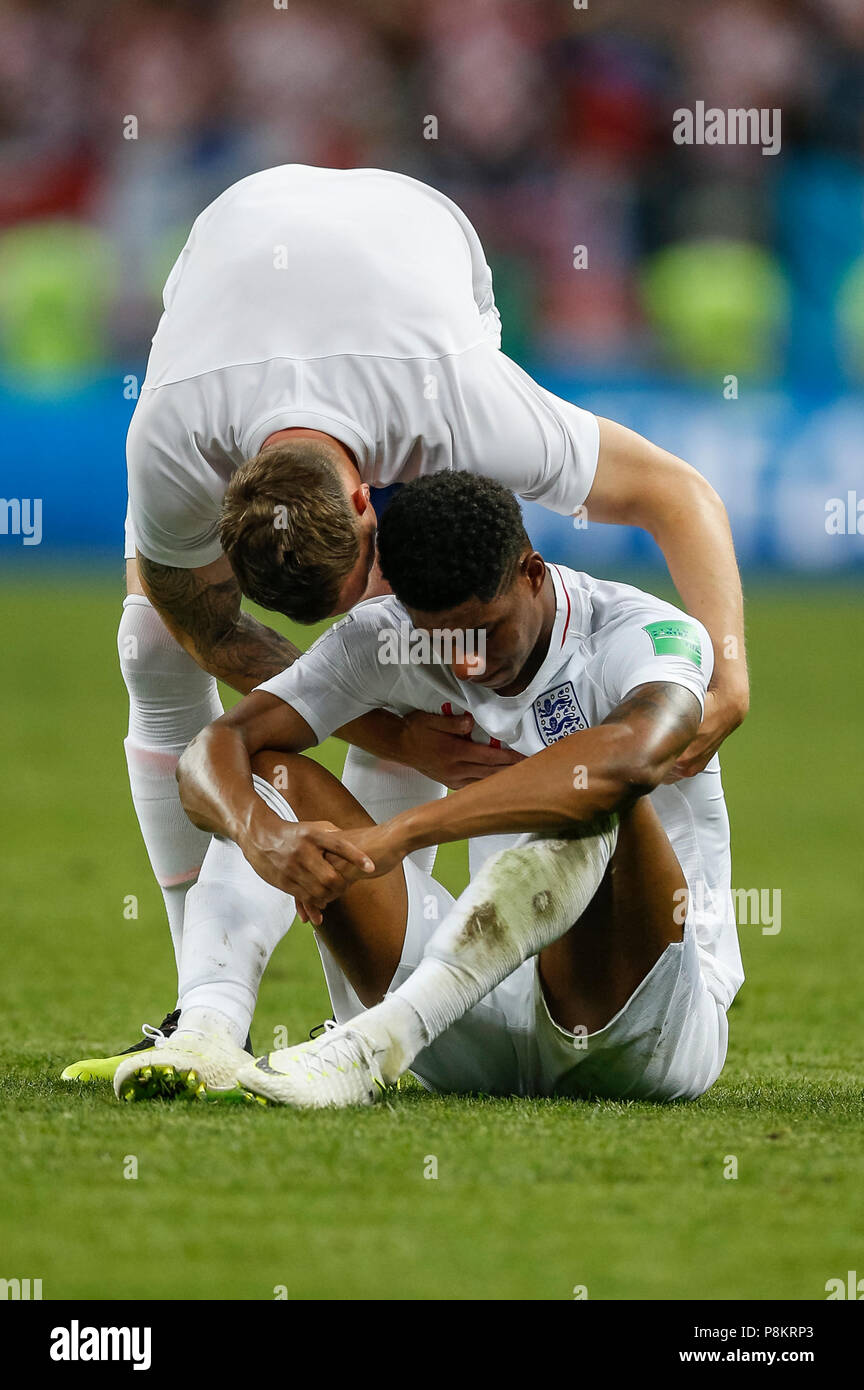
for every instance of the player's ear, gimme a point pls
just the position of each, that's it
(360, 499)
(533, 566)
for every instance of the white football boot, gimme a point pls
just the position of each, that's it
(331, 1072)
(188, 1065)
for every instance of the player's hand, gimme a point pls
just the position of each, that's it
(381, 844)
(725, 709)
(439, 745)
(304, 860)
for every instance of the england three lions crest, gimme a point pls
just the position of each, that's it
(558, 713)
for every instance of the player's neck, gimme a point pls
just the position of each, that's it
(302, 432)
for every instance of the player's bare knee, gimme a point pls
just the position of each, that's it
(310, 790)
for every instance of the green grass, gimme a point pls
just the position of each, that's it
(532, 1197)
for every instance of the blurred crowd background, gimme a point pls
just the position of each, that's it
(554, 129)
(551, 125)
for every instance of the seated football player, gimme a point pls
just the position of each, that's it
(594, 952)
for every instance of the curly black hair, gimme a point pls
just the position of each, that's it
(448, 538)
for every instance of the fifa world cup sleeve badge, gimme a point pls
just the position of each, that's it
(675, 638)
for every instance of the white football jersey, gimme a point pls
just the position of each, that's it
(356, 302)
(607, 639)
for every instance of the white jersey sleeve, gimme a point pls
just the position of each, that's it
(655, 644)
(341, 676)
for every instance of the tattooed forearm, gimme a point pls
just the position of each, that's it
(206, 618)
(251, 653)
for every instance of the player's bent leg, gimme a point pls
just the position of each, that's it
(621, 1007)
(363, 930)
(234, 921)
(522, 899)
(654, 1030)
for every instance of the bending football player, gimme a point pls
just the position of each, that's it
(594, 952)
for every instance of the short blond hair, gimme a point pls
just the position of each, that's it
(289, 530)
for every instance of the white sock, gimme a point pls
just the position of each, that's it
(170, 701)
(174, 898)
(234, 922)
(384, 789)
(522, 900)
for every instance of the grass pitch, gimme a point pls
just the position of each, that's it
(532, 1199)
